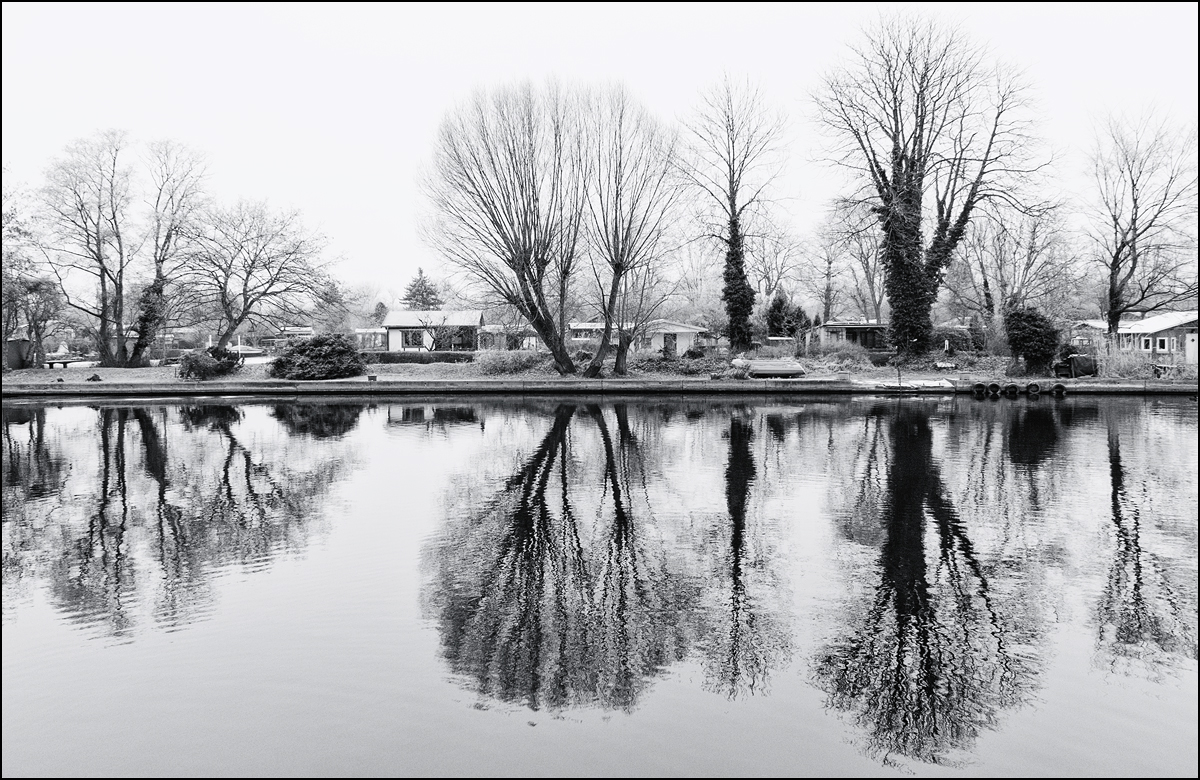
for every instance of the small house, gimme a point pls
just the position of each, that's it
(869, 334)
(409, 331)
(370, 339)
(509, 338)
(1170, 336)
(664, 336)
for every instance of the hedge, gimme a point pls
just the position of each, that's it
(418, 357)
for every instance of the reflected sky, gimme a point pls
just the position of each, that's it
(928, 574)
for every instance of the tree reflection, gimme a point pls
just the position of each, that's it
(744, 641)
(535, 610)
(1142, 615)
(33, 467)
(321, 421)
(931, 663)
(152, 537)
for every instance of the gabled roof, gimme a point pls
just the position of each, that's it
(433, 319)
(1171, 319)
(654, 326)
(853, 324)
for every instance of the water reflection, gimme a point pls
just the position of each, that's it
(1145, 620)
(588, 550)
(536, 609)
(931, 662)
(155, 502)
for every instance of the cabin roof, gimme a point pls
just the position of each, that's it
(1171, 319)
(404, 318)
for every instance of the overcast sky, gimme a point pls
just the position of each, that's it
(333, 109)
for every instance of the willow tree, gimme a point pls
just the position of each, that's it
(932, 131)
(631, 196)
(507, 188)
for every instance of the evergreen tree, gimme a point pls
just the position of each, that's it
(379, 314)
(737, 293)
(422, 294)
(1033, 336)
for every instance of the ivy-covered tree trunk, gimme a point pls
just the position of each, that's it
(909, 288)
(737, 293)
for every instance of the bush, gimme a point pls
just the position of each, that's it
(421, 357)
(331, 356)
(1032, 336)
(513, 362)
(212, 362)
(960, 340)
(693, 353)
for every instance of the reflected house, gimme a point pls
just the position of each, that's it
(430, 416)
(869, 334)
(414, 331)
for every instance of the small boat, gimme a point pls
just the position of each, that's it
(778, 369)
(246, 351)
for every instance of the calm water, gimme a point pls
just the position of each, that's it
(868, 586)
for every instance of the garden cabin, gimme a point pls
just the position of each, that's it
(411, 331)
(1169, 337)
(666, 336)
(869, 334)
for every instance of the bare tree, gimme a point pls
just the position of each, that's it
(175, 198)
(508, 193)
(1014, 260)
(732, 161)
(853, 233)
(773, 261)
(631, 198)
(253, 265)
(1144, 226)
(95, 229)
(918, 113)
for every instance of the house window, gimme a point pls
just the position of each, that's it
(1162, 345)
(1174, 344)
(413, 338)
(1146, 344)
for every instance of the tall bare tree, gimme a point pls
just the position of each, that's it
(734, 144)
(95, 228)
(632, 193)
(253, 265)
(1144, 225)
(919, 115)
(508, 193)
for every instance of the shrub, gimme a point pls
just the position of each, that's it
(330, 356)
(693, 353)
(1031, 335)
(960, 340)
(210, 363)
(421, 357)
(512, 362)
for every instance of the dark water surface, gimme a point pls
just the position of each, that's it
(825, 586)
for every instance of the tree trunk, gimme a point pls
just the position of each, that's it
(624, 339)
(737, 293)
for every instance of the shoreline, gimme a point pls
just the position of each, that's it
(589, 387)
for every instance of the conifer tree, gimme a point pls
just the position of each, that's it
(422, 294)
